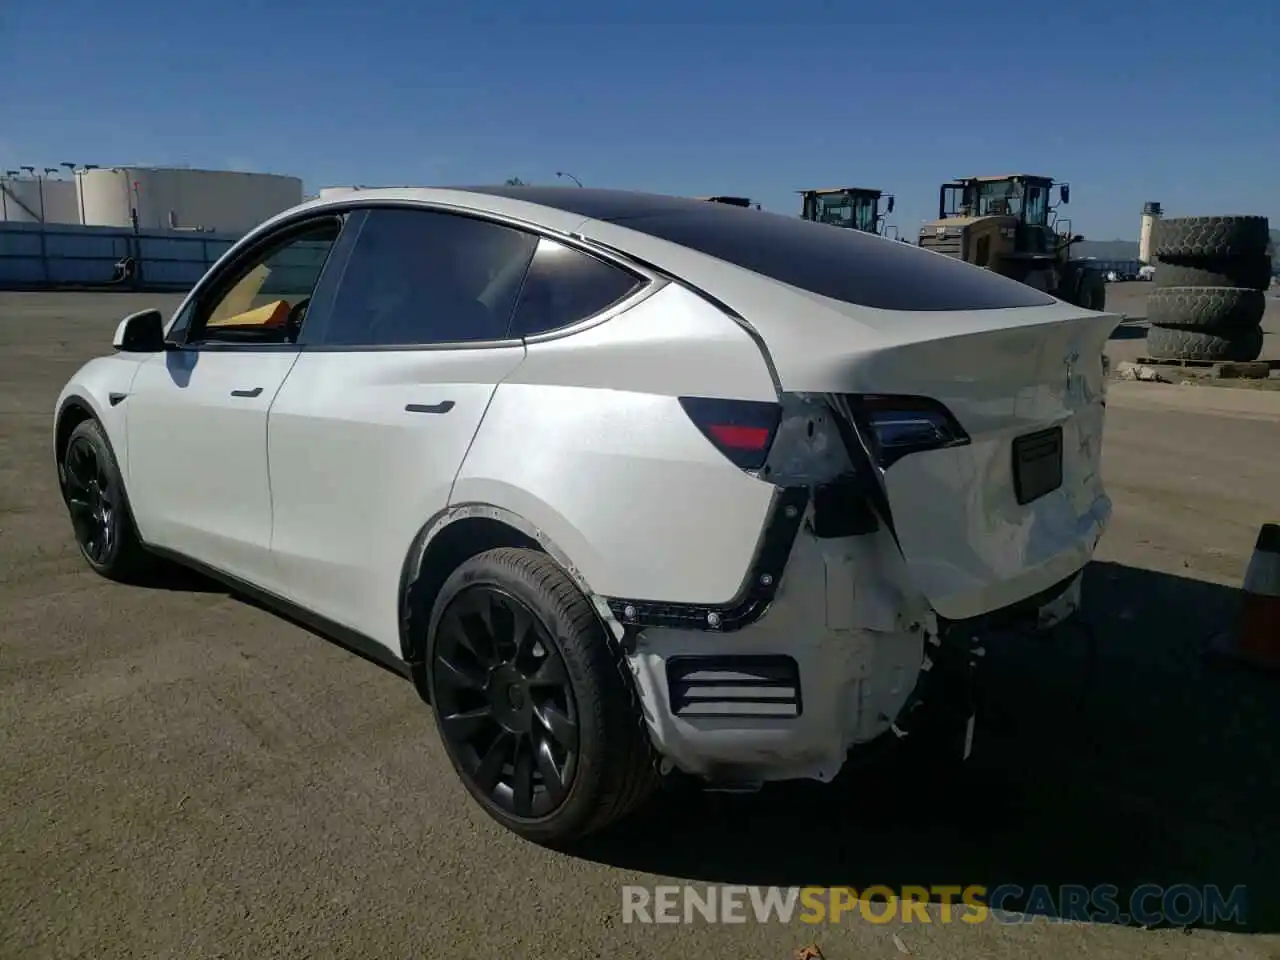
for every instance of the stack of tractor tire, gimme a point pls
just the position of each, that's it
(1211, 276)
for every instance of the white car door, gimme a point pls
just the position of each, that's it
(196, 416)
(370, 428)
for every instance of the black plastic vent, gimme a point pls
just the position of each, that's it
(762, 687)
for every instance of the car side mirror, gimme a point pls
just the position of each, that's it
(1064, 193)
(141, 332)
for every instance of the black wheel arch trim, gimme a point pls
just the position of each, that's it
(411, 609)
(85, 405)
(754, 596)
(73, 400)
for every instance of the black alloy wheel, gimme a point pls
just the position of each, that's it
(93, 498)
(506, 704)
(94, 493)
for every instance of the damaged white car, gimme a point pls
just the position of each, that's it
(628, 485)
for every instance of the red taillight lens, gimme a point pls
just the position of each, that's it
(740, 438)
(742, 430)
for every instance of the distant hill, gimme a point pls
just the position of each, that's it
(1127, 249)
(1106, 249)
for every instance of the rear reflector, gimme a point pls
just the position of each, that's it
(742, 430)
(740, 438)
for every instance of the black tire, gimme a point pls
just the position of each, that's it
(1252, 273)
(101, 519)
(1092, 294)
(1211, 237)
(1181, 344)
(574, 706)
(1210, 309)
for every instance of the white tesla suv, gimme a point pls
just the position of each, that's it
(627, 484)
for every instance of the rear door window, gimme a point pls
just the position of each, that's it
(422, 277)
(564, 286)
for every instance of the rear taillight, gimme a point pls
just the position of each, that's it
(904, 425)
(742, 430)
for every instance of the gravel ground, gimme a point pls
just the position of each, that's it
(189, 776)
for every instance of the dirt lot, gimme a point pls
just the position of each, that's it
(188, 776)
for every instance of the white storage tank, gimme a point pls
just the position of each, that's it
(179, 199)
(1151, 214)
(32, 200)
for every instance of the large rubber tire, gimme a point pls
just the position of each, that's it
(1092, 294)
(1211, 237)
(1252, 273)
(1181, 344)
(615, 770)
(102, 520)
(1210, 309)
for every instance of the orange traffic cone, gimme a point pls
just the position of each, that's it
(1260, 620)
(1258, 643)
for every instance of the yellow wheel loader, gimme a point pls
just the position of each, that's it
(856, 208)
(1008, 224)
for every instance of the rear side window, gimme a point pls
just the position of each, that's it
(421, 277)
(564, 286)
(836, 262)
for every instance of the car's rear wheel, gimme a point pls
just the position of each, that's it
(93, 491)
(534, 707)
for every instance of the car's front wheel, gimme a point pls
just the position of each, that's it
(535, 708)
(93, 491)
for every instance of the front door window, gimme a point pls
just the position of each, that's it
(265, 298)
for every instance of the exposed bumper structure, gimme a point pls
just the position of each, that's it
(832, 665)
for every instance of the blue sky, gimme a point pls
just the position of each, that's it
(1129, 101)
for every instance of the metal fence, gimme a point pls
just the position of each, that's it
(35, 256)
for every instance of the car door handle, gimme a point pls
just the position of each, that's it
(444, 406)
(246, 393)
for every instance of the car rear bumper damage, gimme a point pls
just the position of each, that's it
(839, 661)
(834, 638)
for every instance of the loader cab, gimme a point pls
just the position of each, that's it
(855, 208)
(999, 219)
(1009, 224)
(1024, 198)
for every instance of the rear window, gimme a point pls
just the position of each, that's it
(834, 262)
(837, 262)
